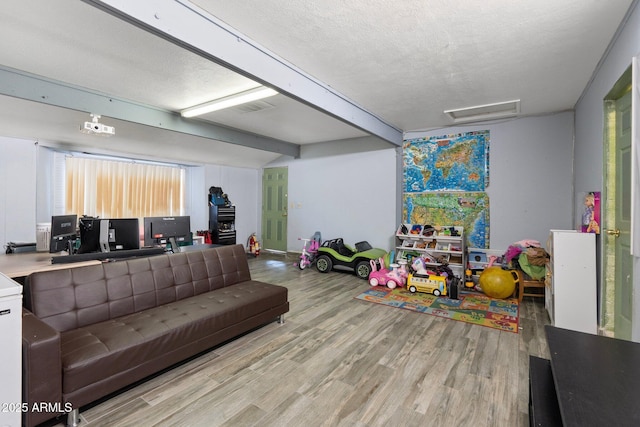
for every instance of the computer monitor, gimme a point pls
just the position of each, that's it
(106, 235)
(160, 230)
(123, 234)
(63, 233)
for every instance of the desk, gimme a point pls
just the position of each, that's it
(20, 265)
(597, 379)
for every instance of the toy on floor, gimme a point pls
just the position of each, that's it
(468, 279)
(335, 254)
(253, 246)
(497, 282)
(404, 272)
(377, 269)
(383, 276)
(469, 274)
(437, 280)
(429, 283)
(309, 251)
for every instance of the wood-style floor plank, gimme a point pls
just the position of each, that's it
(338, 361)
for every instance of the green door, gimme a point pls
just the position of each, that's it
(618, 262)
(274, 208)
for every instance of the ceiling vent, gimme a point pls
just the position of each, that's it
(497, 110)
(252, 107)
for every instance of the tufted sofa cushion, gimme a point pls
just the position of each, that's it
(100, 350)
(76, 297)
(117, 323)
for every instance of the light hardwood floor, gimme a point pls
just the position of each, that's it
(338, 361)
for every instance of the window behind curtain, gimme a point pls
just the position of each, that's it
(116, 189)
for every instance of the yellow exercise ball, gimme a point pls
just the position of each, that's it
(498, 283)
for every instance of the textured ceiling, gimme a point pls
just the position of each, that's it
(404, 62)
(409, 61)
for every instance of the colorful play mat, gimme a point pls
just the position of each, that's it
(471, 307)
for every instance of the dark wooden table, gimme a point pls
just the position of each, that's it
(597, 379)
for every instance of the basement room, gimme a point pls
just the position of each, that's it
(269, 213)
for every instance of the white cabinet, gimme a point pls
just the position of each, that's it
(437, 245)
(571, 293)
(11, 354)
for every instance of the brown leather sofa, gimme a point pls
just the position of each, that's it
(90, 331)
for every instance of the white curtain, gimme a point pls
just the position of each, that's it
(117, 189)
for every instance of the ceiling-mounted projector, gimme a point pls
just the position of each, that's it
(97, 128)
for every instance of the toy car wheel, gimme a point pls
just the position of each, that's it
(374, 282)
(301, 264)
(391, 284)
(363, 269)
(324, 264)
(412, 289)
(436, 292)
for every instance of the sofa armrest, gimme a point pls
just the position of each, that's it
(41, 368)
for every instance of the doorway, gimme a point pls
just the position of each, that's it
(617, 258)
(274, 208)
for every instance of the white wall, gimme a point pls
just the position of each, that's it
(196, 199)
(44, 189)
(26, 193)
(530, 178)
(17, 190)
(242, 186)
(348, 189)
(589, 127)
(531, 184)
(343, 190)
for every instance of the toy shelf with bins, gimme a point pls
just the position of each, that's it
(478, 259)
(436, 245)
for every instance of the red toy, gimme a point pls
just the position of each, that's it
(253, 246)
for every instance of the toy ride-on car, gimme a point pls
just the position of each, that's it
(335, 254)
(396, 276)
(428, 283)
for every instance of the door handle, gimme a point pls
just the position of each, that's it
(614, 233)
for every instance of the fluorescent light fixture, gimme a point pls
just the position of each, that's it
(229, 101)
(496, 110)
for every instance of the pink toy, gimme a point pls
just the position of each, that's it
(308, 255)
(404, 273)
(377, 267)
(492, 260)
(383, 276)
(528, 243)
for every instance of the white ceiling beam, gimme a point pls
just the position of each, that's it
(186, 25)
(20, 84)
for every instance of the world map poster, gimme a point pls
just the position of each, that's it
(458, 162)
(469, 210)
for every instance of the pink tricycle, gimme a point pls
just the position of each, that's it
(397, 276)
(309, 251)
